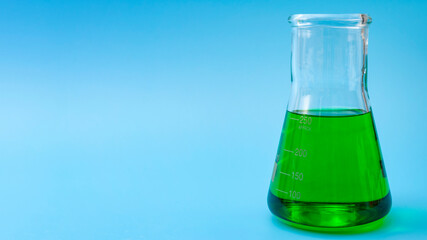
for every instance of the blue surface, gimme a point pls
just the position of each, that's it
(161, 119)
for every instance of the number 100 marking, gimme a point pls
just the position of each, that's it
(294, 194)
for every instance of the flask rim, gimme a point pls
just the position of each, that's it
(351, 20)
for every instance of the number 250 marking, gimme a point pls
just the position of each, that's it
(305, 120)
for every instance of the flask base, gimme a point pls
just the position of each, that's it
(320, 216)
(367, 227)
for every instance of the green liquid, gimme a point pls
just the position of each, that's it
(329, 171)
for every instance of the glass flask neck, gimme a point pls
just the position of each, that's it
(329, 64)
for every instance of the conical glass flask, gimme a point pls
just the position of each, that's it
(329, 171)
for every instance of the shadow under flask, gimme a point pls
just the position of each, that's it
(329, 171)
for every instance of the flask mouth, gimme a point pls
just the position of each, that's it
(352, 20)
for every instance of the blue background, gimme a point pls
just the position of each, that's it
(161, 119)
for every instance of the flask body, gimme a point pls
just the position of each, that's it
(329, 170)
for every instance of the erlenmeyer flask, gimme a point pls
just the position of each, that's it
(329, 171)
